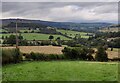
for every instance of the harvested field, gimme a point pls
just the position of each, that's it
(39, 49)
(111, 54)
(56, 50)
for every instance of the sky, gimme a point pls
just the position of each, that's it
(62, 11)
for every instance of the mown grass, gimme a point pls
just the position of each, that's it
(73, 33)
(61, 71)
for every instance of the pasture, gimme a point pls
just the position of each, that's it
(37, 36)
(3, 30)
(73, 33)
(61, 71)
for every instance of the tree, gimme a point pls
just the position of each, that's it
(2, 37)
(75, 53)
(101, 54)
(29, 30)
(58, 41)
(11, 39)
(20, 37)
(51, 37)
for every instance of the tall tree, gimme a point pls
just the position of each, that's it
(51, 37)
(101, 54)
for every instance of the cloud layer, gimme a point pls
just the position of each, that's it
(62, 11)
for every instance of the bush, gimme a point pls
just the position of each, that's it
(43, 57)
(76, 53)
(11, 56)
(101, 54)
(45, 43)
(71, 43)
(54, 43)
(115, 59)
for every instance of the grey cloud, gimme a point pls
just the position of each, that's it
(41, 10)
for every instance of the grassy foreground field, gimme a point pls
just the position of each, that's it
(61, 71)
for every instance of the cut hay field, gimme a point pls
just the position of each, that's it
(61, 71)
(111, 54)
(39, 49)
(42, 49)
(56, 50)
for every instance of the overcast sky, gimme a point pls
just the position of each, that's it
(62, 11)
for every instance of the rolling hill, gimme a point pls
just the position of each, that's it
(64, 25)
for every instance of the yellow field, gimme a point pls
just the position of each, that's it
(55, 50)
(39, 49)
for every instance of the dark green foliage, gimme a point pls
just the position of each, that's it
(11, 56)
(51, 37)
(58, 39)
(23, 43)
(33, 25)
(2, 37)
(11, 39)
(45, 43)
(101, 54)
(25, 31)
(114, 43)
(71, 43)
(54, 43)
(43, 57)
(77, 53)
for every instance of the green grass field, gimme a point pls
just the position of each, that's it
(38, 36)
(23, 30)
(3, 30)
(73, 33)
(61, 71)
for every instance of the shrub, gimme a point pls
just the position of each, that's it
(27, 56)
(45, 43)
(71, 43)
(76, 52)
(54, 43)
(115, 59)
(11, 56)
(44, 57)
(78, 45)
(101, 54)
(33, 55)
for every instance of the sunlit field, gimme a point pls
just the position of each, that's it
(61, 71)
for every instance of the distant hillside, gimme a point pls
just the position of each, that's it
(65, 25)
